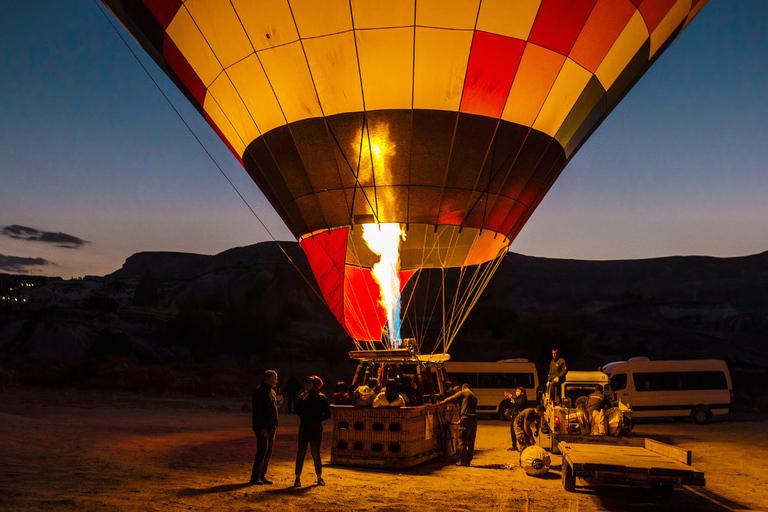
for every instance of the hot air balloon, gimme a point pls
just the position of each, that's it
(441, 122)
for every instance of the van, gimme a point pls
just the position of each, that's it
(695, 388)
(489, 381)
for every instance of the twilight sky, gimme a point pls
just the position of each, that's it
(96, 166)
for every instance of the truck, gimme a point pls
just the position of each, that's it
(568, 421)
(616, 458)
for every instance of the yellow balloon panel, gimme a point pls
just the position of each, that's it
(196, 50)
(220, 119)
(286, 68)
(513, 18)
(268, 23)
(442, 14)
(333, 17)
(333, 64)
(219, 25)
(386, 67)
(631, 39)
(228, 99)
(669, 24)
(382, 13)
(441, 64)
(538, 70)
(254, 90)
(565, 91)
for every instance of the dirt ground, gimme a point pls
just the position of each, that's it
(90, 451)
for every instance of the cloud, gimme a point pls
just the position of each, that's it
(17, 264)
(34, 235)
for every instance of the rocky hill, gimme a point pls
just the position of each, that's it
(187, 323)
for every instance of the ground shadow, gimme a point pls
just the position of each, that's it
(683, 499)
(189, 491)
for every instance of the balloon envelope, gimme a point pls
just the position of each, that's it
(450, 117)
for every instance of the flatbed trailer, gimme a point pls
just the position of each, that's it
(646, 463)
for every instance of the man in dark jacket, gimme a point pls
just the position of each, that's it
(467, 422)
(557, 371)
(264, 407)
(312, 409)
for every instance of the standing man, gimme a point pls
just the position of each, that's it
(264, 407)
(312, 409)
(557, 371)
(467, 422)
(524, 426)
(517, 403)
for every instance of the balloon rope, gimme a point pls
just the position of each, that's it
(474, 291)
(309, 283)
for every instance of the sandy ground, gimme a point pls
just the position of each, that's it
(90, 451)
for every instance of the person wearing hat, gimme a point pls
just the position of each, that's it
(363, 396)
(312, 409)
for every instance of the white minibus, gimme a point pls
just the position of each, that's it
(695, 388)
(489, 381)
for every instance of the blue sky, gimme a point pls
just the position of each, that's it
(96, 166)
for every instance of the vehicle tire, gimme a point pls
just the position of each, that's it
(700, 415)
(506, 412)
(569, 481)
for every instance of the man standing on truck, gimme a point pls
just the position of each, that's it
(557, 371)
(467, 422)
(524, 424)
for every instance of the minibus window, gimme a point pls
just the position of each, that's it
(619, 381)
(506, 380)
(679, 381)
(457, 379)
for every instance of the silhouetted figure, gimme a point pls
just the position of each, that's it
(312, 409)
(291, 389)
(264, 408)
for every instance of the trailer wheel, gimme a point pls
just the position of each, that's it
(569, 481)
(700, 415)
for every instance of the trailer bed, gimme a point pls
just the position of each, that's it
(652, 465)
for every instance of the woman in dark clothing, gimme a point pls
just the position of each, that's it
(312, 409)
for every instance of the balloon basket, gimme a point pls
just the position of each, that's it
(389, 437)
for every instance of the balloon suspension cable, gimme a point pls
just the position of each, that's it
(309, 283)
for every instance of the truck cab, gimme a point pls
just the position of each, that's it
(569, 421)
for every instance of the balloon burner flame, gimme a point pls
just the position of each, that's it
(384, 240)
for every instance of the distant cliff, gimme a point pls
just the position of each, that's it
(254, 306)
